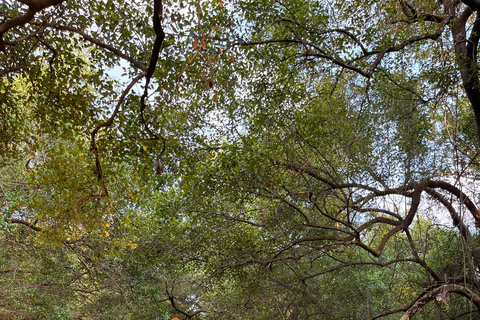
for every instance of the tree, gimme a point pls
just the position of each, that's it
(292, 153)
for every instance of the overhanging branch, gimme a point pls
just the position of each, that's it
(95, 41)
(34, 6)
(440, 295)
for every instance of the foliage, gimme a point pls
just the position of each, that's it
(293, 159)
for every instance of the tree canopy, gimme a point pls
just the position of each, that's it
(239, 159)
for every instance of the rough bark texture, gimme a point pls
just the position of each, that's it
(466, 51)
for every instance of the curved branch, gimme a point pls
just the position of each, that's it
(440, 294)
(108, 123)
(416, 196)
(358, 263)
(313, 172)
(97, 42)
(459, 194)
(171, 298)
(33, 8)
(160, 36)
(457, 221)
(320, 54)
(376, 220)
(459, 315)
(412, 14)
(365, 54)
(294, 256)
(25, 223)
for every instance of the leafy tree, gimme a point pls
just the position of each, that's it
(284, 159)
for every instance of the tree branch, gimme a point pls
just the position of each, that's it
(107, 123)
(97, 42)
(25, 223)
(472, 4)
(440, 294)
(174, 305)
(34, 6)
(160, 36)
(459, 194)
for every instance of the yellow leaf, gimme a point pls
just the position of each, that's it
(144, 148)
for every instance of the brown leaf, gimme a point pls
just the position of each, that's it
(232, 59)
(203, 44)
(208, 85)
(195, 44)
(159, 169)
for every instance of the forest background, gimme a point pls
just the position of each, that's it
(239, 159)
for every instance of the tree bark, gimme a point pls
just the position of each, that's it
(440, 295)
(466, 52)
